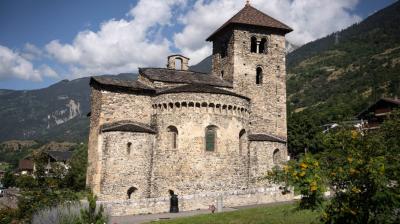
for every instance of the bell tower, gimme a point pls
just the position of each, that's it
(249, 52)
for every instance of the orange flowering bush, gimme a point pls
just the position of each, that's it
(306, 176)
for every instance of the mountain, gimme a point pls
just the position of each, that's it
(57, 112)
(330, 79)
(335, 77)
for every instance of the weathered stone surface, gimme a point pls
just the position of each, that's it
(173, 155)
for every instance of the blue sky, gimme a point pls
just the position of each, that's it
(44, 41)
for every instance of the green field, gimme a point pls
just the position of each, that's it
(284, 214)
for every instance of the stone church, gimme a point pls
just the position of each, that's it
(206, 137)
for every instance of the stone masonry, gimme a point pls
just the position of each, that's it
(204, 136)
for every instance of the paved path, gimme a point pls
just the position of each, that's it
(136, 219)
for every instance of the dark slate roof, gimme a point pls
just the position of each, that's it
(266, 137)
(127, 126)
(182, 76)
(394, 102)
(131, 85)
(254, 17)
(198, 88)
(60, 156)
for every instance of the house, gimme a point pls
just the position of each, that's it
(373, 116)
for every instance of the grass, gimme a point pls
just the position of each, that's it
(278, 214)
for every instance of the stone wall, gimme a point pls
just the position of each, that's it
(262, 161)
(269, 98)
(127, 162)
(202, 200)
(189, 168)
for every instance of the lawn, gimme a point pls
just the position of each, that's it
(285, 214)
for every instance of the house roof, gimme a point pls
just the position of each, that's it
(266, 137)
(253, 17)
(130, 85)
(199, 88)
(127, 126)
(59, 155)
(390, 101)
(25, 164)
(183, 76)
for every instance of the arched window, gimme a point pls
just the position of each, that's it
(242, 140)
(259, 76)
(263, 46)
(222, 74)
(173, 136)
(276, 157)
(128, 147)
(130, 191)
(253, 47)
(211, 137)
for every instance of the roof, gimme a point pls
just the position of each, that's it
(183, 76)
(130, 85)
(127, 126)
(199, 88)
(266, 137)
(60, 156)
(394, 102)
(253, 17)
(25, 164)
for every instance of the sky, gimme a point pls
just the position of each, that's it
(45, 41)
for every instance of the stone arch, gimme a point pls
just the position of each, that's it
(276, 157)
(259, 76)
(173, 136)
(177, 104)
(204, 104)
(184, 104)
(165, 106)
(218, 108)
(191, 104)
(253, 44)
(211, 138)
(170, 105)
(130, 191)
(198, 105)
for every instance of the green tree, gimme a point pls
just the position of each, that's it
(76, 176)
(8, 179)
(90, 215)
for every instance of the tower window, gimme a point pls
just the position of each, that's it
(263, 46)
(253, 47)
(222, 74)
(178, 64)
(259, 76)
(211, 136)
(173, 136)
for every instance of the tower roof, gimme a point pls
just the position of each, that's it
(253, 17)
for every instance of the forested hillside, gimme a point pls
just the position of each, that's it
(335, 77)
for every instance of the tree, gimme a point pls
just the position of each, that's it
(8, 179)
(76, 176)
(362, 169)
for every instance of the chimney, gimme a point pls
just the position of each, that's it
(178, 62)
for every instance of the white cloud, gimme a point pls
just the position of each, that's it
(310, 19)
(120, 45)
(14, 65)
(137, 41)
